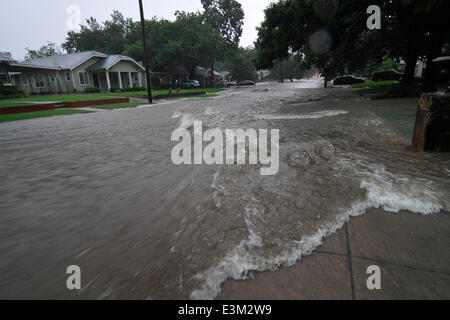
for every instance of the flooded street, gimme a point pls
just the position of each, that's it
(100, 191)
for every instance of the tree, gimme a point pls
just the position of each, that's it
(187, 41)
(302, 27)
(332, 34)
(241, 64)
(226, 17)
(45, 51)
(288, 69)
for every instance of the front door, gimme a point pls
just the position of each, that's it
(95, 79)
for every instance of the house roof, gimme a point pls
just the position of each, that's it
(65, 61)
(22, 67)
(6, 58)
(203, 72)
(199, 71)
(110, 61)
(178, 70)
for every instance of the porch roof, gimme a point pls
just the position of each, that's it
(110, 61)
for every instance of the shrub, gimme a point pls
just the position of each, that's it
(92, 90)
(134, 89)
(8, 90)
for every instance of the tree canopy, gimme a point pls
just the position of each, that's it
(46, 50)
(194, 38)
(332, 34)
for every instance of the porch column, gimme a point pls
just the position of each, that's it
(73, 81)
(140, 79)
(99, 81)
(108, 81)
(130, 79)
(120, 81)
(30, 78)
(49, 83)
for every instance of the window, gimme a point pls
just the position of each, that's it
(39, 81)
(24, 80)
(51, 76)
(68, 78)
(84, 78)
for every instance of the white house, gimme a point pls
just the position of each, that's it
(75, 72)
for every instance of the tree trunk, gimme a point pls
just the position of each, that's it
(432, 69)
(325, 85)
(410, 69)
(212, 74)
(281, 72)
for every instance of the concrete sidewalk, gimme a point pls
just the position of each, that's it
(412, 250)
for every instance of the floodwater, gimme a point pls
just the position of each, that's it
(100, 191)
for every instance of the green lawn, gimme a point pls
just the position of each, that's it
(376, 90)
(39, 114)
(99, 96)
(62, 98)
(161, 92)
(373, 84)
(13, 104)
(372, 87)
(120, 106)
(201, 96)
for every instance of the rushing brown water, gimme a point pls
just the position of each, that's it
(100, 191)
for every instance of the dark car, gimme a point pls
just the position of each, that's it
(386, 75)
(444, 66)
(348, 80)
(246, 83)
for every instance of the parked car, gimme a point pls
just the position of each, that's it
(444, 65)
(386, 75)
(229, 84)
(246, 83)
(190, 84)
(348, 80)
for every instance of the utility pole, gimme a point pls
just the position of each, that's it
(144, 43)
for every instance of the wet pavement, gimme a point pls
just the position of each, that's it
(411, 250)
(100, 191)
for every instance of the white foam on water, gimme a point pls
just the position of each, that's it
(242, 259)
(384, 190)
(178, 113)
(312, 115)
(394, 194)
(187, 121)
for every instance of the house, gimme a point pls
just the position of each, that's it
(75, 72)
(170, 76)
(203, 75)
(5, 61)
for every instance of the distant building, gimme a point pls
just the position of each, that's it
(203, 75)
(170, 76)
(5, 61)
(75, 72)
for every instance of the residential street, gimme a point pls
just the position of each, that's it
(100, 191)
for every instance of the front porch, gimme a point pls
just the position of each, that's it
(113, 81)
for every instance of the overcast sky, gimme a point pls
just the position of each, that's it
(31, 23)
